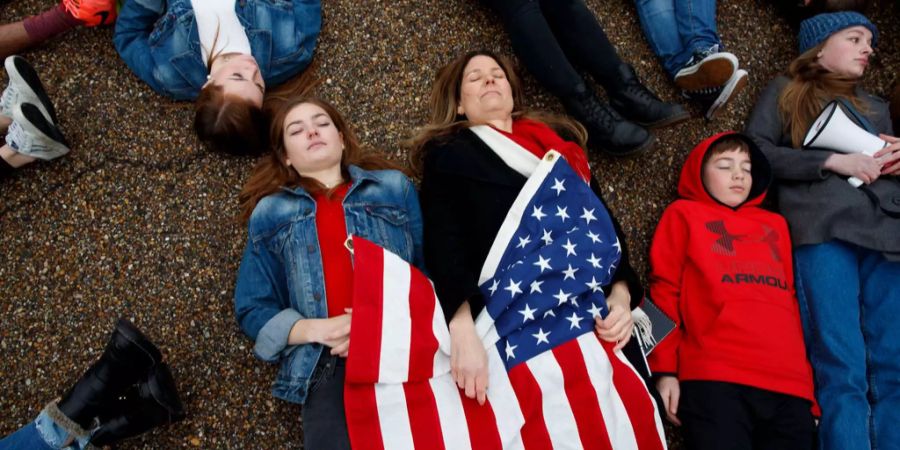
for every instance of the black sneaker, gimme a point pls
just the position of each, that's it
(24, 87)
(713, 100)
(607, 130)
(707, 69)
(634, 101)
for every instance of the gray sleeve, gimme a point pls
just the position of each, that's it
(766, 129)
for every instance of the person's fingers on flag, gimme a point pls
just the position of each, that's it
(611, 328)
(481, 383)
(470, 387)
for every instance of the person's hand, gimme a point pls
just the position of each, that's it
(468, 358)
(858, 165)
(334, 332)
(618, 324)
(889, 157)
(670, 391)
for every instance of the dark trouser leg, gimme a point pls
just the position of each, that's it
(324, 424)
(6, 170)
(583, 39)
(787, 422)
(536, 46)
(714, 417)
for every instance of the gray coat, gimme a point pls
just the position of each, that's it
(818, 204)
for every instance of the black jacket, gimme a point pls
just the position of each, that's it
(467, 191)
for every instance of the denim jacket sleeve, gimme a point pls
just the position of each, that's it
(262, 303)
(415, 224)
(133, 27)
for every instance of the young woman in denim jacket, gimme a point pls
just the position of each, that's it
(294, 284)
(222, 54)
(846, 246)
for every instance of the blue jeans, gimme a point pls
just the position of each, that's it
(849, 304)
(677, 28)
(42, 434)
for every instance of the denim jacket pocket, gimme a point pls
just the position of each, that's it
(388, 226)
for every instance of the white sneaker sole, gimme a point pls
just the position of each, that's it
(735, 85)
(711, 72)
(26, 93)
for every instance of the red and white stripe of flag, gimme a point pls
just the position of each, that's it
(399, 393)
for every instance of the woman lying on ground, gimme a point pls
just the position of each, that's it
(294, 287)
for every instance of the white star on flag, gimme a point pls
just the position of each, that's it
(547, 238)
(509, 351)
(544, 264)
(524, 241)
(594, 310)
(562, 297)
(558, 186)
(595, 261)
(594, 285)
(537, 212)
(575, 320)
(561, 213)
(595, 238)
(494, 286)
(549, 313)
(541, 336)
(588, 216)
(570, 272)
(536, 287)
(513, 288)
(618, 245)
(527, 313)
(570, 248)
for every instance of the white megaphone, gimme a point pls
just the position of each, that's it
(833, 130)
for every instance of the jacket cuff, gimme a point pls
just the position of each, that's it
(273, 336)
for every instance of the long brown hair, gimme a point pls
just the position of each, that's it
(811, 87)
(445, 97)
(273, 173)
(228, 123)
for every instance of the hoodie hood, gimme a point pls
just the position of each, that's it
(690, 185)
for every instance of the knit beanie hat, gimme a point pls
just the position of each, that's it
(819, 27)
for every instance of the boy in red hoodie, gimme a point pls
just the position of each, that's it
(734, 371)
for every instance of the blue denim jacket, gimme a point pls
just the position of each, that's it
(158, 40)
(280, 279)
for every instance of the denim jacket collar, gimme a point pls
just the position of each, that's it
(357, 175)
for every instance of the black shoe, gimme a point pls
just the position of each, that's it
(607, 130)
(145, 406)
(634, 101)
(129, 355)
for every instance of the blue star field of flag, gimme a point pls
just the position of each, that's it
(548, 286)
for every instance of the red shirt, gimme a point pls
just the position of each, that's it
(538, 138)
(336, 259)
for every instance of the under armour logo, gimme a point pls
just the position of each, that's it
(724, 245)
(103, 16)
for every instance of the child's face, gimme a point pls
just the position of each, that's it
(727, 177)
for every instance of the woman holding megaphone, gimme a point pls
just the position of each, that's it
(846, 239)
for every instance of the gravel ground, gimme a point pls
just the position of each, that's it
(139, 220)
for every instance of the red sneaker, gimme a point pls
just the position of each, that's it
(92, 12)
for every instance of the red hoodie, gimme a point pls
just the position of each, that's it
(725, 276)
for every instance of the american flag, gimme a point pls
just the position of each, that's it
(552, 382)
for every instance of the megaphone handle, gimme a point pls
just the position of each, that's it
(856, 182)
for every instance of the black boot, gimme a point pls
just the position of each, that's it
(129, 355)
(634, 101)
(145, 406)
(607, 130)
